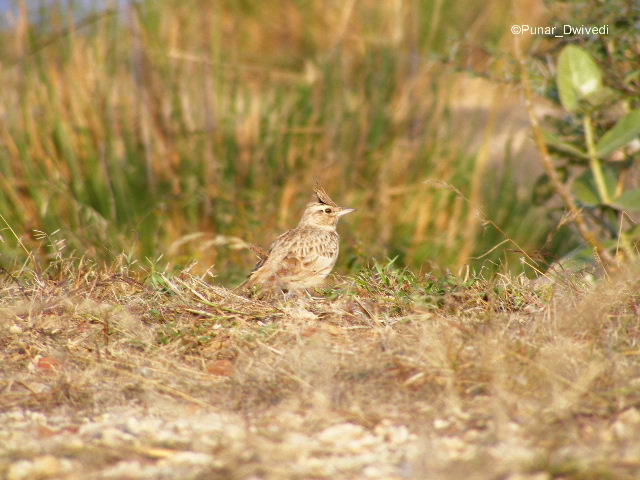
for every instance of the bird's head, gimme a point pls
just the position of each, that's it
(323, 212)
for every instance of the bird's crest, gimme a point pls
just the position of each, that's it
(322, 196)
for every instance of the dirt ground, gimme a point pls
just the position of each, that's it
(385, 376)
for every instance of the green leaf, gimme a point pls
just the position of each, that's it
(633, 232)
(622, 133)
(603, 96)
(585, 190)
(543, 189)
(631, 77)
(566, 147)
(629, 200)
(582, 259)
(578, 76)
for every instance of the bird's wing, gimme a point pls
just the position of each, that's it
(266, 266)
(295, 255)
(300, 255)
(275, 247)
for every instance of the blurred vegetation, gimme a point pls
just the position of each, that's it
(182, 129)
(594, 146)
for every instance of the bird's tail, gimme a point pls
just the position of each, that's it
(252, 278)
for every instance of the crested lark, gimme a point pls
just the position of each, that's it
(304, 256)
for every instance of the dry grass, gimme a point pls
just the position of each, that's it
(439, 378)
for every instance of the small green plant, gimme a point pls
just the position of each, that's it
(590, 155)
(601, 187)
(386, 279)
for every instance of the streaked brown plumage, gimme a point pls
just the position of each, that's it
(304, 256)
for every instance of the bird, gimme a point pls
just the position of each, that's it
(302, 257)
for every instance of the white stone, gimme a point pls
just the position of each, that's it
(341, 433)
(192, 458)
(373, 471)
(91, 430)
(125, 469)
(529, 476)
(113, 437)
(441, 424)
(46, 466)
(631, 416)
(19, 470)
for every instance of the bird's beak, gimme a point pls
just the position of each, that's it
(344, 211)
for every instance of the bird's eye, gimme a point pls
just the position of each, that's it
(327, 210)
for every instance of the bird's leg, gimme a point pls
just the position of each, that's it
(288, 295)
